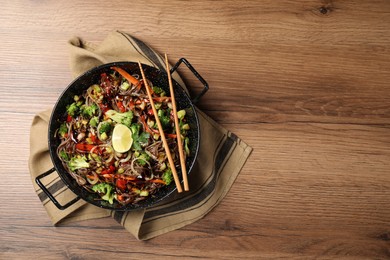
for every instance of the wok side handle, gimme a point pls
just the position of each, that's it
(47, 192)
(197, 75)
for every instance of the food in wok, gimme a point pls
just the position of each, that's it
(109, 141)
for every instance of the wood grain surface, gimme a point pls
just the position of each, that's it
(305, 83)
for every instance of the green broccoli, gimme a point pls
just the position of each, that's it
(106, 189)
(122, 118)
(143, 158)
(164, 119)
(77, 163)
(63, 130)
(88, 111)
(104, 127)
(167, 176)
(139, 140)
(94, 121)
(73, 109)
(159, 91)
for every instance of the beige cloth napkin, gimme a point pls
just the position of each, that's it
(221, 156)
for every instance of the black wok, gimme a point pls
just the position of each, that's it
(157, 77)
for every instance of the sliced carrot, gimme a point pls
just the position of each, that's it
(126, 75)
(147, 128)
(171, 135)
(157, 181)
(129, 178)
(152, 130)
(161, 99)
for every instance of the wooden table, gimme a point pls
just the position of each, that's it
(305, 83)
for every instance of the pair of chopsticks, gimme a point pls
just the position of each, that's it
(164, 140)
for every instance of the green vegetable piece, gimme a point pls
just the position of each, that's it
(72, 109)
(185, 127)
(125, 85)
(122, 118)
(143, 158)
(144, 193)
(135, 129)
(164, 119)
(139, 140)
(163, 166)
(96, 88)
(88, 111)
(181, 114)
(143, 138)
(167, 176)
(103, 136)
(104, 127)
(186, 148)
(109, 198)
(63, 130)
(159, 91)
(64, 156)
(95, 157)
(106, 189)
(94, 121)
(78, 163)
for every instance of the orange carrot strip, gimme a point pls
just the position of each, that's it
(157, 181)
(126, 75)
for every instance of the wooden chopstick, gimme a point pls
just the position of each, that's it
(179, 140)
(160, 129)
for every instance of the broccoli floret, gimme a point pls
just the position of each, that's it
(122, 118)
(167, 176)
(139, 140)
(106, 189)
(94, 121)
(73, 109)
(63, 130)
(104, 127)
(164, 119)
(159, 91)
(88, 111)
(77, 163)
(143, 158)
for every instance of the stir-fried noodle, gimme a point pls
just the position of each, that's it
(86, 134)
